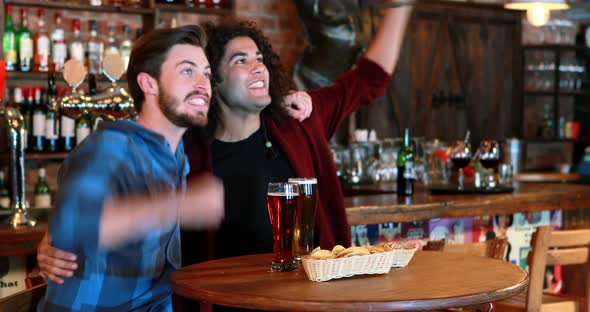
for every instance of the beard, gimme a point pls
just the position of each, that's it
(170, 106)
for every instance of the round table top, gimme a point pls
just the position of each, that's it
(431, 280)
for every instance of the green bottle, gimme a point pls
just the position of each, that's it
(9, 41)
(42, 192)
(405, 167)
(25, 43)
(4, 194)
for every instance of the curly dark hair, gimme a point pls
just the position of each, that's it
(279, 83)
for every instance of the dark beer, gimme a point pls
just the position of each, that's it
(282, 202)
(305, 216)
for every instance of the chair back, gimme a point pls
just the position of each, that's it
(23, 301)
(494, 248)
(550, 247)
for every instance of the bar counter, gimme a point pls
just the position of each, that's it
(22, 241)
(527, 197)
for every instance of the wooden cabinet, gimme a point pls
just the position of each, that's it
(460, 68)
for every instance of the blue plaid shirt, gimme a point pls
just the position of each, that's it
(120, 158)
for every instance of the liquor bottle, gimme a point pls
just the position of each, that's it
(405, 167)
(126, 46)
(76, 47)
(111, 47)
(24, 104)
(51, 117)
(38, 127)
(42, 45)
(95, 50)
(83, 125)
(59, 50)
(25, 43)
(9, 41)
(42, 192)
(4, 194)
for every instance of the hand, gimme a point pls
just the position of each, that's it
(54, 264)
(202, 205)
(298, 105)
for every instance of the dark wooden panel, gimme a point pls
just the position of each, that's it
(470, 56)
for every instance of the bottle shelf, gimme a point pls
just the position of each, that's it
(40, 76)
(61, 5)
(552, 93)
(38, 156)
(563, 47)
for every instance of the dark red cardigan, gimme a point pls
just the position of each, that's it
(305, 144)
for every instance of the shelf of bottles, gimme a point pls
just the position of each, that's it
(133, 7)
(554, 75)
(138, 7)
(31, 52)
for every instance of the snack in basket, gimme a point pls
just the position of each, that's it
(323, 265)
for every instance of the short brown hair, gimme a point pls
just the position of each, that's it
(150, 51)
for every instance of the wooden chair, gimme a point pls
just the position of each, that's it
(552, 248)
(494, 248)
(23, 301)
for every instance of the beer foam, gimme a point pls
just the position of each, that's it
(283, 194)
(303, 180)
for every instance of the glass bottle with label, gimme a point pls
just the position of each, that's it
(95, 50)
(76, 47)
(111, 47)
(42, 45)
(4, 194)
(51, 118)
(24, 106)
(9, 41)
(59, 50)
(42, 191)
(126, 46)
(38, 127)
(405, 167)
(25, 43)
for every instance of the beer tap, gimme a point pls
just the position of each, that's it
(15, 130)
(113, 104)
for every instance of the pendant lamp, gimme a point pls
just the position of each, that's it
(537, 11)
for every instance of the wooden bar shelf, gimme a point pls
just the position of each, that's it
(79, 7)
(38, 156)
(42, 76)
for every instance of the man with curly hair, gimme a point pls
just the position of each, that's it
(253, 143)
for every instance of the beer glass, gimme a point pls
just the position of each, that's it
(305, 216)
(282, 202)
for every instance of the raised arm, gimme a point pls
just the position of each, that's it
(385, 47)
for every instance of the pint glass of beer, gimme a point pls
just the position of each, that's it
(283, 201)
(305, 216)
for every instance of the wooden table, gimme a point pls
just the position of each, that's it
(373, 209)
(431, 280)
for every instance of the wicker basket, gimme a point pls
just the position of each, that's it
(401, 257)
(325, 270)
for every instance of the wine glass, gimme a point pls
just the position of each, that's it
(461, 156)
(489, 157)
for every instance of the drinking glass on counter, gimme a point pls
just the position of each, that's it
(489, 157)
(282, 202)
(461, 156)
(305, 216)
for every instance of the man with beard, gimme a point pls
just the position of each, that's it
(123, 192)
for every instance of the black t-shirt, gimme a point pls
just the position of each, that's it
(246, 168)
